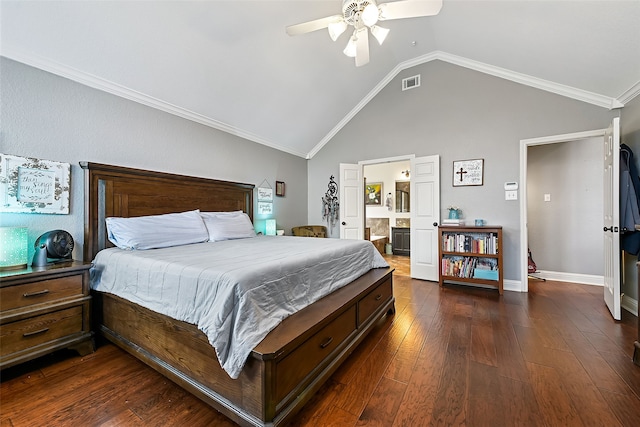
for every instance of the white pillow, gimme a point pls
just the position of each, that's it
(214, 214)
(157, 231)
(227, 227)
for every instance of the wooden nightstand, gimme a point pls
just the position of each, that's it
(43, 309)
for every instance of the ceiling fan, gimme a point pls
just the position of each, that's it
(363, 15)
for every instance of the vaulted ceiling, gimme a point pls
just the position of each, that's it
(230, 64)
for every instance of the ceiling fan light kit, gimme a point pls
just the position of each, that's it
(363, 15)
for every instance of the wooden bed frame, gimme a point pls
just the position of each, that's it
(286, 368)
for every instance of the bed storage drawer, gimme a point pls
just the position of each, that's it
(25, 334)
(374, 300)
(301, 361)
(18, 296)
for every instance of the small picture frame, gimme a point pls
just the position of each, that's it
(373, 194)
(280, 188)
(468, 172)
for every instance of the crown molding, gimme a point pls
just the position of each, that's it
(355, 110)
(546, 85)
(630, 93)
(104, 85)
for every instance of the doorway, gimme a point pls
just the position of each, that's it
(525, 209)
(387, 215)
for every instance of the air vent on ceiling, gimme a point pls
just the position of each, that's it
(411, 82)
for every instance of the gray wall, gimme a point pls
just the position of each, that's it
(52, 118)
(459, 114)
(565, 233)
(630, 135)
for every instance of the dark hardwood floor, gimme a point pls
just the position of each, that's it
(451, 356)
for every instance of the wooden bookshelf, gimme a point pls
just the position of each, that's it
(471, 255)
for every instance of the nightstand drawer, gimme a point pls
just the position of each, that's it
(18, 296)
(38, 330)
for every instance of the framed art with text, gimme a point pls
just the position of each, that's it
(30, 185)
(468, 172)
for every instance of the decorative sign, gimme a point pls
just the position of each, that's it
(36, 185)
(265, 208)
(468, 172)
(29, 185)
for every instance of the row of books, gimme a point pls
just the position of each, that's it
(470, 267)
(479, 244)
(449, 222)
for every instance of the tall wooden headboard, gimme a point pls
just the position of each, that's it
(127, 192)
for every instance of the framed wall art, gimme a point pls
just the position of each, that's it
(468, 172)
(280, 188)
(373, 194)
(30, 185)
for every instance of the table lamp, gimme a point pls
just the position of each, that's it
(270, 227)
(13, 248)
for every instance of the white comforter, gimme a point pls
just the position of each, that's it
(235, 291)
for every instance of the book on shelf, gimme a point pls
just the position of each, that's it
(473, 243)
(469, 267)
(452, 222)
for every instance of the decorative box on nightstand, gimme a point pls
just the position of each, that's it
(43, 309)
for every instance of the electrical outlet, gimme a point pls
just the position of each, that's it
(547, 197)
(511, 195)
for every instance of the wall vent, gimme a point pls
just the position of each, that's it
(411, 82)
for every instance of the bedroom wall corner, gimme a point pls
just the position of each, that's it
(50, 117)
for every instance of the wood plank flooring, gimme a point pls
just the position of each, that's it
(453, 357)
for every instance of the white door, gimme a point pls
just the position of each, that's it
(424, 201)
(351, 202)
(612, 218)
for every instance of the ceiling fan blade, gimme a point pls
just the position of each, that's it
(409, 9)
(307, 27)
(362, 47)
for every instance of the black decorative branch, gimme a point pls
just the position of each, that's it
(330, 204)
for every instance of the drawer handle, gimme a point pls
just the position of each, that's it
(378, 297)
(35, 294)
(30, 334)
(326, 342)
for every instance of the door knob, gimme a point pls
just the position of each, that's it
(608, 228)
(344, 223)
(435, 224)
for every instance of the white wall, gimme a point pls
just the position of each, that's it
(52, 118)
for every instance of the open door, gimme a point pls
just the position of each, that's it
(425, 217)
(612, 218)
(351, 202)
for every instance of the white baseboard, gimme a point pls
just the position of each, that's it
(587, 279)
(630, 304)
(512, 285)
